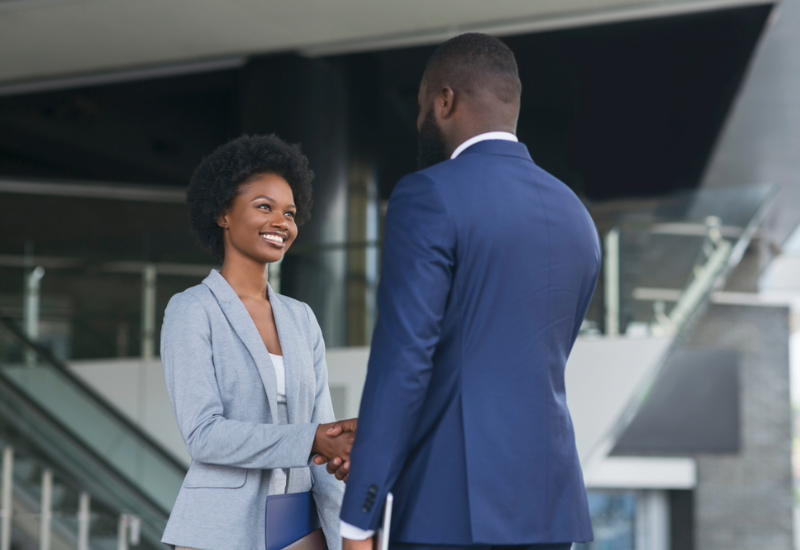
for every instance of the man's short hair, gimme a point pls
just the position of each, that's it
(474, 63)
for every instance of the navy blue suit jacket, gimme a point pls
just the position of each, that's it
(489, 264)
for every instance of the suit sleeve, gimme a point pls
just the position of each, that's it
(327, 490)
(416, 278)
(589, 283)
(193, 391)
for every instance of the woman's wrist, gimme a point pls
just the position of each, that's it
(319, 437)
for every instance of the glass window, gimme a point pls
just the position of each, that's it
(613, 520)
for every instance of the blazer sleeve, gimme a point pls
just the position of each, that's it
(419, 257)
(327, 490)
(193, 391)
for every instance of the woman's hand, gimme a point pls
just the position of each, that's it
(343, 433)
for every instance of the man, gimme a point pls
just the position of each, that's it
(489, 264)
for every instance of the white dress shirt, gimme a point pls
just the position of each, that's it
(280, 376)
(505, 136)
(351, 531)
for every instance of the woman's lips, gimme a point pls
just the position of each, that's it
(275, 239)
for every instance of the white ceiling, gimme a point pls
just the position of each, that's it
(51, 38)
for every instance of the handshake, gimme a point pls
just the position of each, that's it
(332, 446)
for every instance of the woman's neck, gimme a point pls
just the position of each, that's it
(247, 278)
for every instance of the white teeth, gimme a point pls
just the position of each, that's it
(276, 239)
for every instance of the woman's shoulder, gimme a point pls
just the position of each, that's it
(191, 301)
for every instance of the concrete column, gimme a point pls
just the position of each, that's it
(304, 101)
(362, 254)
(362, 221)
(745, 500)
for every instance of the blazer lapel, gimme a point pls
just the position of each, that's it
(288, 348)
(242, 323)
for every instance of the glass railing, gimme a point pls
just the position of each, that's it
(86, 420)
(664, 257)
(55, 488)
(48, 508)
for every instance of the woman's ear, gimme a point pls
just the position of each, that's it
(223, 221)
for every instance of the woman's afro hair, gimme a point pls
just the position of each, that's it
(216, 182)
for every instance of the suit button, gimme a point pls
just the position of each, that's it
(373, 490)
(365, 510)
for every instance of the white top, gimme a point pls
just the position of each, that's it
(351, 531)
(505, 136)
(280, 376)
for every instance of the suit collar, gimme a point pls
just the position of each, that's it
(505, 136)
(498, 147)
(243, 325)
(220, 287)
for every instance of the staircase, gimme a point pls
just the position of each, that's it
(76, 473)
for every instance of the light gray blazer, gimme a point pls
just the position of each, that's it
(227, 413)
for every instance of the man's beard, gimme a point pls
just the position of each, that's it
(431, 143)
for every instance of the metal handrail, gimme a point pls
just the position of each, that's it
(109, 408)
(729, 258)
(88, 470)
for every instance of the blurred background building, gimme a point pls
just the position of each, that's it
(677, 122)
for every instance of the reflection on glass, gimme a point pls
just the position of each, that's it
(613, 521)
(672, 252)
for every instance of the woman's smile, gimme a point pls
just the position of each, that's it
(274, 238)
(264, 207)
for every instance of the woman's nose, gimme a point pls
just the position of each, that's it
(279, 221)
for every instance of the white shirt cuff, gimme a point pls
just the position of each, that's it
(352, 532)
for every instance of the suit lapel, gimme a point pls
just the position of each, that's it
(243, 325)
(288, 348)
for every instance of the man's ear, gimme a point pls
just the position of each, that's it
(446, 102)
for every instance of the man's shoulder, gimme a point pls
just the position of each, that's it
(446, 172)
(416, 183)
(477, 168)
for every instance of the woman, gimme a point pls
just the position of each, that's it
(245, 367)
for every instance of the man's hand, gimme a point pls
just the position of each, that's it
(350, 425)
(348, 544)
(338, 466)
(328, 447)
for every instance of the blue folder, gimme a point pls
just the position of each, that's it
(289, 518)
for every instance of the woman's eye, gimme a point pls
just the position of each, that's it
(265, 206)
(290, 214)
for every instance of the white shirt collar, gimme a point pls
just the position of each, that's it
(505, 136)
